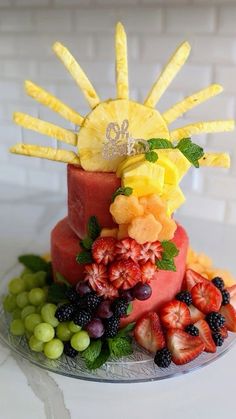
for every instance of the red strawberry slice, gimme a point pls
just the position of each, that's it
(148, 271)
(128, 249)
(206, 335)
(184, 347)
(224, 332)
(151, 252)
(206, 297)
(97, 277)
(124, 274)
(175, 314)
(103, 250)
(191, 279)
(195, 314)
(229, 314)
(232, 292)
(148, 332)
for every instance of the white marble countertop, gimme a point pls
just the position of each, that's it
(27, 392)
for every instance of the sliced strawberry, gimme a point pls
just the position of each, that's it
(206, 297)
(124, 274)
(151, 252)
(103, 250)
(128, 249)
(175, 314)
(232, 292)
(206, 335)
(191, 279)
(148, 271)
(148, 332)
(224, 332)
(183, 347)
(195, 314)
(97, 276)
(229, 314)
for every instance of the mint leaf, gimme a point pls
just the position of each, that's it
(92, 352)
(84, 257)
(155, 143)
(166, 265)
(125, 331)
(170, 250)
(120, 346)
(34, 262)
(86, 243)
(191, 151)
(129, 309)
(56, 293)
(151, 156)
(101, 358)
(61, 279)
(94, 228)
(127, 191)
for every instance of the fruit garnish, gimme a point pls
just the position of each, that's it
(163, 358)
(148, 271)
(206, 335)
(150, 252)
(218, 338)
(103, 250)
(218, 282)
(206, 297)
(183, 347)
(144, 178)
(125, 208)
(97, 277)
(141, 291)
(229, 314)
(123, 231)
(128, 249)
(224, 332)
(192, 330)
(225, 297)
(175, 314)
(148, 333)
(191, 279)
(232, 292)
(144, 229)
(109, 232)
(122, 191)
(124, 274)
(185, 297)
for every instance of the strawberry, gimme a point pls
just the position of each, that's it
(103, 250)
(124, 274)
(151, 252)
(191, 279)
(224, 332)
(175, 314)
(183, 347)
(229, 314)
(97, 277)
(232, 293)
(148, 271)
(206, 297)
(128, 249)
(206, 335)
(195, 314)
(148, 332)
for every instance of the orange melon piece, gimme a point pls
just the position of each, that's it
(144, 229)
(109, 232)
(153, 204)
(125, 208)
(123, 231)
(168, 228)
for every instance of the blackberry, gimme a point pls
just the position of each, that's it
(69, 351)
(225, 297)
(215, 321)
(91, 301)
(72, 295)
(218, 282)
(65, 312)
(112, 326)
(119, 307)
(185, 297)
(192, 330)
(82, 317)
(218, 339)
(163, 358)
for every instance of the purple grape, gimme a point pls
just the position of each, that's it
(127, 294)
(104, 310)
(95, 328)
(82, 288)
(142, 291)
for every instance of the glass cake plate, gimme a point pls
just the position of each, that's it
(138, 367)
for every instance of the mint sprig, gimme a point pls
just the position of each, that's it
(120, 346)
(56, 293)
(126, 330)
(170, 249)
(151, 156)
(86, 243)
(191, 151)
(34, 262)
(159, 143)
(127, 191)
(94, 228)
(84, 257)
(96, 356)
(166, 265)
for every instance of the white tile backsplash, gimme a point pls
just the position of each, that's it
(28, 28)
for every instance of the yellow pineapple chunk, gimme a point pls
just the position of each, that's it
(144, 178)
(174, 198)
(109, 232)
(215, 160)
(48, 153)
(125, 208)
(176, 157)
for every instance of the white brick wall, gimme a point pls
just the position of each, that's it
(155, 27)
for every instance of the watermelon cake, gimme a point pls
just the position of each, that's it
(120, 267)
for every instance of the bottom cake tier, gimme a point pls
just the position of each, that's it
(65, 246)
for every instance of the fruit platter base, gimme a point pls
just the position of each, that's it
(138, 367)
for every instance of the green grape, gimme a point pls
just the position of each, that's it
(37, 296)
(9, 303)
(74, 327)
(25, 271)
(30, 281)
(44, 332)
(31, 321)
(53, 349)
(63, 332)
(48, 314)
(27, 310)
(16, 285)
(22, 299)
(28, 334)
(80, 341)
(16, 313)
(17, 327)
(35, 344)
(41, 278)
(39, 308)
